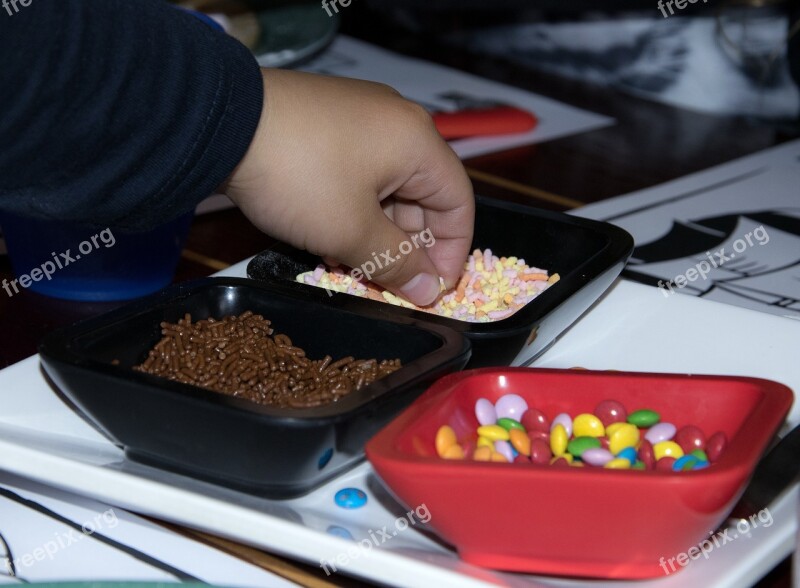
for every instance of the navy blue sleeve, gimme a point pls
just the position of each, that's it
(123, 112)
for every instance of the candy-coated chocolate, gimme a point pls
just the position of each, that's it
(700, 465)
(626, 435)
(509, 424)
(565, 421)
(576, 464)
(350, 498)
(665, 464)
(610, 411)
(540, 452)
(520, 441)
(522, 459)
(504, 449)
(597, 456)
(588, 425)
(485, 442)
(628, 453)
(485, 412)
(543, 435)
(644, 418)
(454, 452)
(638, 465)
(699, 454)
(660, 432)
(566, 457)
(558, 440)
(482, 453)
(684, 463)
(493, 432)
(510, 406)
(646, 454)
(612, 428)
(667, 449)
(498, 457)
(560, 462)
(578, 445)
(716, 445)
(445, 438)
(618, 463)
(534, 420)
(690, 438)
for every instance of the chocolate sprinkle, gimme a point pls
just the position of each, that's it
(240, 356)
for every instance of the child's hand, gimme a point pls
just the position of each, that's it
(349, 170)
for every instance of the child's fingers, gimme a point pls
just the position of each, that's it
(443, 192)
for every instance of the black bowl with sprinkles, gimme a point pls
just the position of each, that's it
(280, 439)
(587, 255)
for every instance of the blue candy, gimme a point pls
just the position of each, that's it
(686, 462)
(350, 498)
(628, 453)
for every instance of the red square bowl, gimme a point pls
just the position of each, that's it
(590, 522)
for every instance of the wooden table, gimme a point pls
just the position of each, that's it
(650, 144)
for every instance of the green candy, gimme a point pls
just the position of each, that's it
(509, 424)
(580, 444)
(644, 418)
(689, 465)
(639, 465)
(699, 454)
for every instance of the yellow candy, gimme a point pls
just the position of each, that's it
(576, 464)
(482, 454)
(667, 449)
(558, 440)
(454, 452)
(618, 463)
(624, 436)
(493, 432)
(445, 438)
(612, 427)
(485, 442)
(587, 425)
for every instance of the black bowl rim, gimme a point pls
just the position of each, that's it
(616, 251)
(56, 347)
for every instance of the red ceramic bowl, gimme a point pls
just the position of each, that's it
(577, 521)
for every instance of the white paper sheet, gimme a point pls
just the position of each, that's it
(49, 535)
(730, 233)
(440, 88)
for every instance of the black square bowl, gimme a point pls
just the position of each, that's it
(268, 451)
(588, 255)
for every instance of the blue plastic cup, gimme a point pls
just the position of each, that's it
(89, 262)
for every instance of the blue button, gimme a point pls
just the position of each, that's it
(350, 498)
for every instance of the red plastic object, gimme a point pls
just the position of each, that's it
(499, 120)
(577, 521)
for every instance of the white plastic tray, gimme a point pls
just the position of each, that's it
(632, 328)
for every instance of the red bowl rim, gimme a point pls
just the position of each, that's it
(743, 451)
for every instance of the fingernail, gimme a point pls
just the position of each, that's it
(422, 289)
